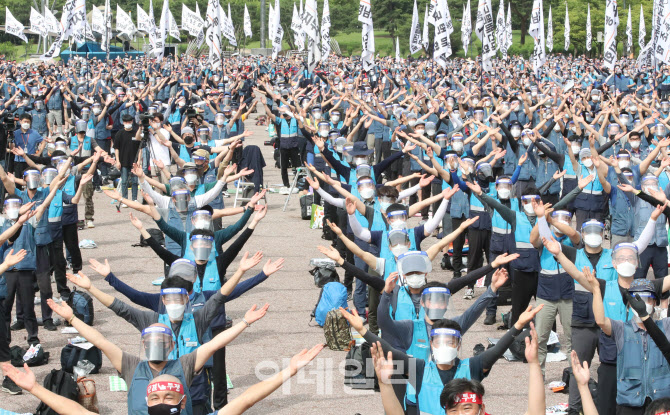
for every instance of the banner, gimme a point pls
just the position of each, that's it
(642, 31)
(143, 23)
(310, 25)
(247, 22)
(367, 34)
(644, 58)
(230, 29)
(415, 34)
(107, 34)
(629, 32)
(550, 32)
(271, 22)
(213, 36)
(13, 26)
(485, 33)
(52, 23)
(611, 24)
(466, 27)
(296, 25)
(303, 32)
(278, 34)
(97, 21)
(443, 27)
(425, 37)
(566, 33)
(88, 34)
(63, 30)
(397, 50)
(508, 27)
(173, 29)
(536, 30)
(500, 27)
(124, 24)
(163, 30)
(661, 30)
(325, 31)
(153, 30)
(38, 23)
(191, 21)
(588, 27)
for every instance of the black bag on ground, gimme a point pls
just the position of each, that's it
(306, 206)
(61, 383)
(16, 354)
(324, 275)
(518, 346)
(71, 354)
(156, 234)
(593, 385)
(359, 372)
(82, 305)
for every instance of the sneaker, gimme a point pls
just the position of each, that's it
(123, 205)
(49, 325)
(98, 189)
(490, 320)
(284, 190)
(18, 325)
(90, 224)
(10, 387)
(37, 301)
(469, 294)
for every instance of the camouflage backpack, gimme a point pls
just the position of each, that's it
(336, 329)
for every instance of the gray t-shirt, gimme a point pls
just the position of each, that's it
(129, 363)
(142, 319)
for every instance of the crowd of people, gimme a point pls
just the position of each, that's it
(551, 187)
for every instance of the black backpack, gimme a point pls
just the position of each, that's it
(16, 354)
(157, 236)
(61, 383)
(82, 305)
(71, 354)
(324, 275)
(359, 371)
(306, 202)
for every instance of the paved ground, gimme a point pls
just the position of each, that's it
(283, 332)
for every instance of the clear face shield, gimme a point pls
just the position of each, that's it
(183, 268)
(649, 301)
(442, 140)
(504, 188)
(48, 175)
(457, 142)
(346, 150)
(562, 216)
(180, 198)
(366, 187)
(649, 184)
(202, 219)
(178, 183)
(174, 303)
(592, 233)
(201, 245)
(445, 345)
(203, 134)
(470, 165)
(626, 259)
(12, 207)
(613, 129)
(435, 302)
(32, 179)
(339, 144)
(156, 344)
(399, 242)
(363, 170)
(324, 129)
(316, 113)
(413, 268)
(527, 202)
(484, 172)
(219, 119)
(623, 160)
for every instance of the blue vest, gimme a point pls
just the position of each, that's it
(582, 308)
(210, 281)
(86, 147)
(546, 168)
(188, 336)
(404, 307)
(42, 235)
(615, 309)
(432, 386)
(137, 390)
(26, 240)
(660, 233)
(502, 239)
(554, 283)
(55, 211)
(622, 214)
(528, 260)
(210, 177)
(641, 371)
(101, 131)
(591, 198)
(184, 153)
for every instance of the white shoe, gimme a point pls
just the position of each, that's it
(469, 294)
(90, 224)
(123, 205)
(284, 191)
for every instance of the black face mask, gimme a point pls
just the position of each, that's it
(189, 140)
(165, 409)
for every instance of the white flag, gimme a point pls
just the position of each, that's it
(484, 31)
(296, 24)
(660, 32)
(550, 32)
(52, 23)
(191, 21)
(163, 30)
(230, 29)
(642, 32)
(278, 35)
(247, 22)
(611, 24)
(79, 27)
(153, 30)
(415, 34)
(466, 27)
(442, 22)
(425, 40)
(325, 30)
(63, 30)
(397, 50)
(566, 33)
(13, 26)
(588, 27)
(644, 58)
(500, 27)
(303, 33)
(629, 31)
(213, 36)
(123, 22)
(367, 34)
(173, 29)
(88, 34)
(143, 23)
(37, 23)
(97, 21)
(311, 27)
(107, 34)
(536, 30)
(508, 27)
(271, 22)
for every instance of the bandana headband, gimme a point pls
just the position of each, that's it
(165, 386)
(469, 397)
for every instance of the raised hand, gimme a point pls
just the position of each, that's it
(552, 245)
(80, 280)
(593, 282)
(62, 309)
(254, 314)
(527, 316)
(351, 206)
(354, 320)
(584, 181)
(503, 259)
(581, 371)
(14, 258)
(468, 222)
(448, 193)
(425, 181)
(532, 346)
(334, 227)
(271, 267)
(247, 263)
(303, 358)
(137, 223)
(102, 269)
(330, 252)
(383, 366)
(659, 209)
(260, 213)
(498, 279)
(25, 380)
(390, 283)
(626, 188)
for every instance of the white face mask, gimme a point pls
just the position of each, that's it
(12, 213)
(367, 193)
(191, 178)
(557, 127)
(516, 132)
(528, 208)
(526, 142)
(626, 269)
(96, 111)
(219, 122)
(201, 224)
(25, 125)
(323, 134)
(637, 319)
(175, 311)
(661, 313)
(634, 144)
(593, 240)
(588, 163)
(416, 280)
(444, 354)
(624, 164)
(458, 146)
(504, 193)
(399, 250)
(335, 119)
(128, 126)
(412, 122)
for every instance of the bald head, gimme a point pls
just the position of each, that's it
(166, 389)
